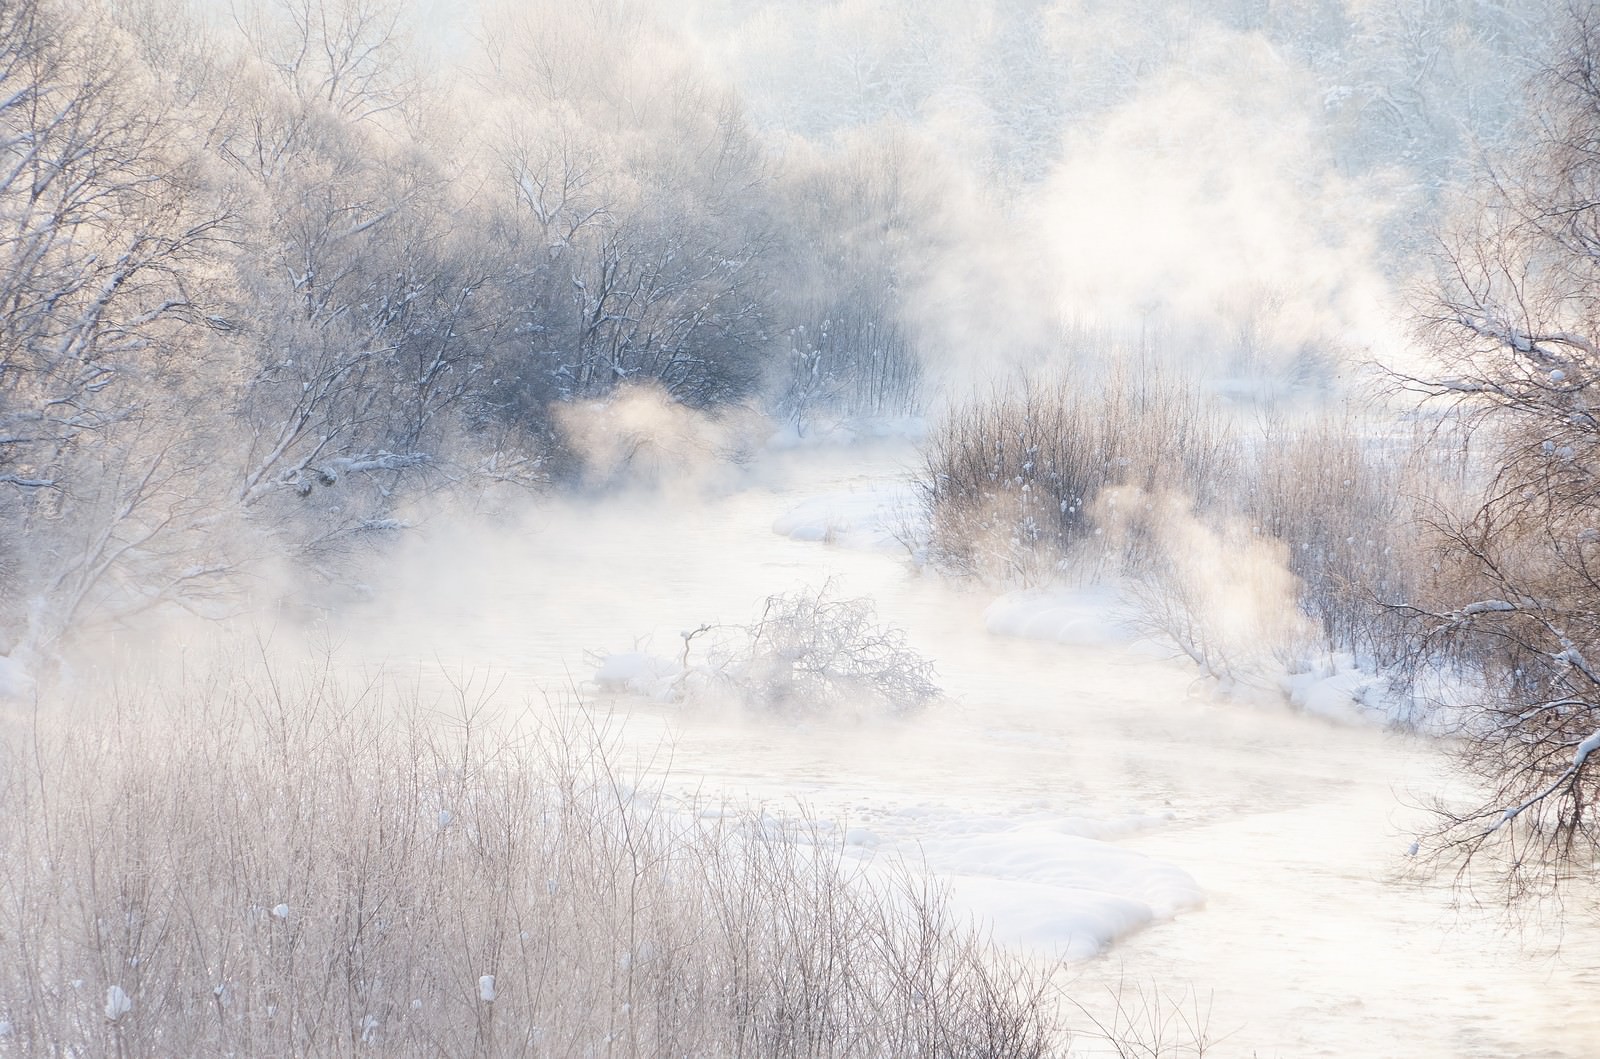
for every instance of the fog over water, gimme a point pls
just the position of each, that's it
(608, 363)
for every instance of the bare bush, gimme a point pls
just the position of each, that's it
(1010, 479)
(1147, 1021)
(812, 652)
(1249, 548)
(274, 863)
(1133, 479)
(1351, 499)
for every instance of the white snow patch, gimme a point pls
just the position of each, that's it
(1044, 888)
(883, 518)
(1341, 693)
(1585, 748)
(1044, 880)
(1094, 616)
(118, 1003)
(637, 673)
(860, 836)
(1337, 689)
(1075, 924)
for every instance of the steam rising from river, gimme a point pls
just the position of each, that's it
(1185, 177)
(1069, 181)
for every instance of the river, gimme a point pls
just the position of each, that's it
(1241, 854)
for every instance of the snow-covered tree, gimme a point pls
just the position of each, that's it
(638, 226)
(106, 231)
(1516, 327)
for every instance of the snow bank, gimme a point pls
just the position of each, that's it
(1338, 690)
(883, 518)
(1044, 881)
(1334, 689)
(1038, 881)
(1070, 923)
(1042, 886)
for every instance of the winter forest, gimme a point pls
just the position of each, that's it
(863, 528)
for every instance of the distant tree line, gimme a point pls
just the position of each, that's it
(264, 282)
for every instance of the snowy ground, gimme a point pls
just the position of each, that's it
(1088, 801)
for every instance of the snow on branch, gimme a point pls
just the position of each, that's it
(1526, 342)
(1567, 776)
(330, 470)
(1487, 606)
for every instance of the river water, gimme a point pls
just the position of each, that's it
(1045, 763)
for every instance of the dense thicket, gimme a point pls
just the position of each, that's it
(1248, 541)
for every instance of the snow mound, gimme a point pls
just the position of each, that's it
(1340, 691)
(1043, 887)
(637, 673)
(1075, 924)
(1048, 881)
(1347, 696)
(881, 519)
(1094, 616)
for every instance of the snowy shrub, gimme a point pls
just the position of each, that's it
(1246, 546)
(811, 652)
(1352, 504)
(272, 863)
(1010, 480)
